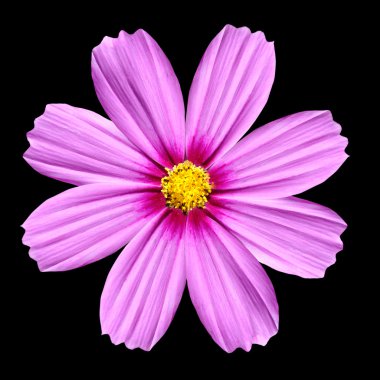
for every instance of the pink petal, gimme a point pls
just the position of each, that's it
(282, 158)
(230, 290)
(229, 90)
(80, 147)
(139, 91)
(145, 285)
(289, 234)
(87, 223)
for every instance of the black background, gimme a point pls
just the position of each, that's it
(54, 316)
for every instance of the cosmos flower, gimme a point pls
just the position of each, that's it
(190, 198)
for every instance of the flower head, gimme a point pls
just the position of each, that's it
(189, 197)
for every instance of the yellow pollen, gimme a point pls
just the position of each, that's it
(186, 186)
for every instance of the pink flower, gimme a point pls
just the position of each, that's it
(222, 205)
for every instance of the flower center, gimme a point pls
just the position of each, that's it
(186, 186)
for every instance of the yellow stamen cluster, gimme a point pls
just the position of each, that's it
(186, 186)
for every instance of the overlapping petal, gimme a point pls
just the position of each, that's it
(282, 158)
(80, 147)
(87, 223)
(145, 285)
(138, 89)
(229, 90)
(230, 290)
(289, 234)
